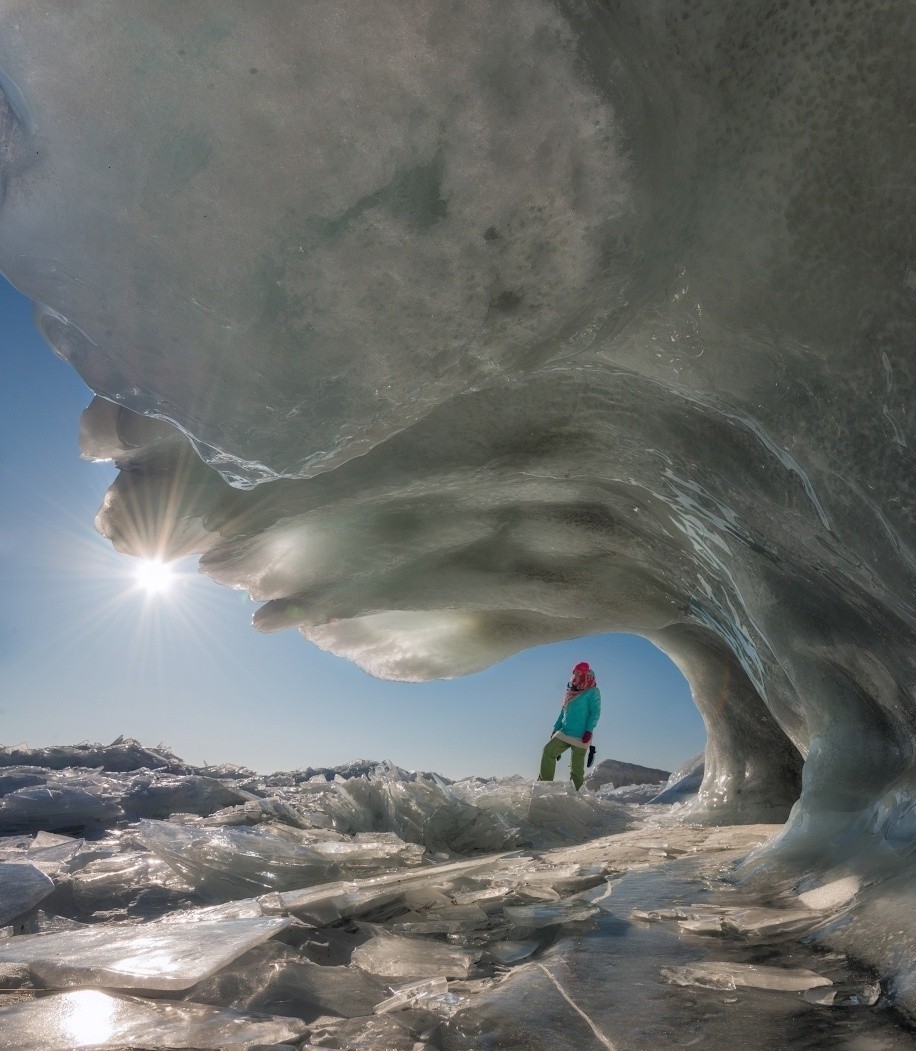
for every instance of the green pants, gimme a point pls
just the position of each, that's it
(552, 752)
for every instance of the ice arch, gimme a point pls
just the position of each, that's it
(538, 318)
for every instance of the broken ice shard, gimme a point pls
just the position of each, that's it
(234, 862)
(274, 979)
(57, 805)
(509, 952)
(22, 887)
(551, 915)
(395, 956)
(119, 881)
(334, 901)
(156, 955)
(158, 795)
(845, 994)
(94, 1020)
(51, 853)
(737, 975)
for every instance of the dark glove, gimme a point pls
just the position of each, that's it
(586, 737)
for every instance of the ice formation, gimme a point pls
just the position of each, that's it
(178, 932)
(451, 329)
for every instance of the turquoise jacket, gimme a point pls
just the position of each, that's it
(580, 715)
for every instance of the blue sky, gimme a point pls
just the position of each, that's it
(85, 655)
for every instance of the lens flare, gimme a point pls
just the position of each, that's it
(154, 576)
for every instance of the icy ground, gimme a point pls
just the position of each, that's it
(152, 905)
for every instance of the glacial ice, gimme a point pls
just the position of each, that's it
(446, 332)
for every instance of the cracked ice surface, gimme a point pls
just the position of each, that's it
(563, 945)
(448, 330)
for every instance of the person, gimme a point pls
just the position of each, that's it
(574, 726)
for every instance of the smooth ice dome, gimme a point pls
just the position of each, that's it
(449, 331)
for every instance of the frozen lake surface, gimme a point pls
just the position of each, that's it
(296, 911)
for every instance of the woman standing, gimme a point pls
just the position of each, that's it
(574, 726)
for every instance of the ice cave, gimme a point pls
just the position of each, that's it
(446, 330)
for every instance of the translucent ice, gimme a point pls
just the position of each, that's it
(747, 975)
(57, 805)
(334, 901)
(237, 862)
(273, 979)
(547, 915)
(51, 853)
(395, 956)
(22, 887)
(98, 1021)
(118, 882)
(509, 952)
(848, 994)
(123, 754)
(158, 796)
(143, 956)
(431, 994)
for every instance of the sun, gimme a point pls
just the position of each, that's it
(154, 576)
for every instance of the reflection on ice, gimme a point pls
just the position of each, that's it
(87, 1019)
(145, 956)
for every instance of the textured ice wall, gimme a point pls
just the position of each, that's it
(538, 319)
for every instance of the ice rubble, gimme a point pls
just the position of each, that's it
(449, 332)
(270, 923)
(21, 888)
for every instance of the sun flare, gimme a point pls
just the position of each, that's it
(154, 576)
